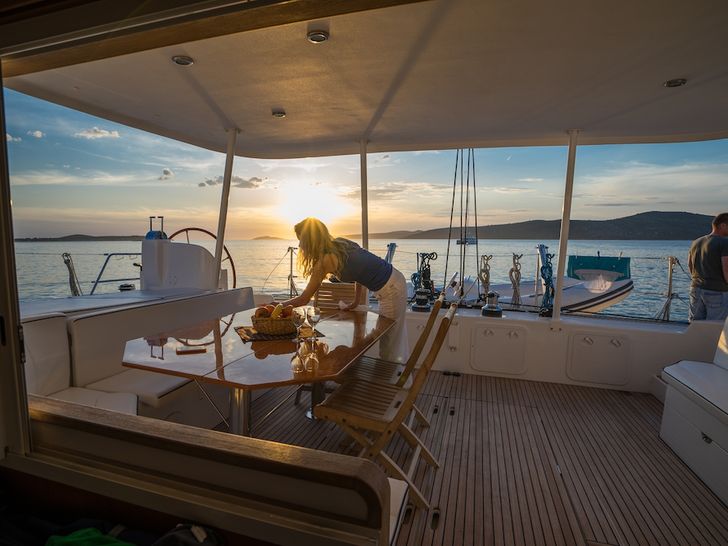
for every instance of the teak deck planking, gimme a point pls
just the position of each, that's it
(525, 463)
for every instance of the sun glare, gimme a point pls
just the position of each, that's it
(299, 201)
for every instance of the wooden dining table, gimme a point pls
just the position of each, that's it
(212, 351)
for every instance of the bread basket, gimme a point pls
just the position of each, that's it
(274, 326)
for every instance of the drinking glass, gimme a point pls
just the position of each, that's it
(312, 359)
(314, 315)
(299, 318)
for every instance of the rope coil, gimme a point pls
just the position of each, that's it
(515, 275)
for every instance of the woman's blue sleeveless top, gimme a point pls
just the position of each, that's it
(364, 267)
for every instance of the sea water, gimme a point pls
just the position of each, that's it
(265, 265)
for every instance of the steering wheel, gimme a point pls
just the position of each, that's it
(228, 258)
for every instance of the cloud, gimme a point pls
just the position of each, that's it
(95, 133)
(237, 182)
(166, 174)
(308, 165)
(505, 189)
(11, 138)
(530, 179)
(609, 204)
(397, 190)
(696, 185)
(36, 134)
(70, 178)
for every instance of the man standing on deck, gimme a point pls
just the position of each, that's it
(708, 265)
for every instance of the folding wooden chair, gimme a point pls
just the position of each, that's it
(330, 294)
(384, 371)
(371, 412)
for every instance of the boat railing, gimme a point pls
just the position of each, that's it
(99, 279)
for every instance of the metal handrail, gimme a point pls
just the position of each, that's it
(103, 268)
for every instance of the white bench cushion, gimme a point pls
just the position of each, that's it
(706, 381)
(47, 359)
(122, 402)
(148, 386)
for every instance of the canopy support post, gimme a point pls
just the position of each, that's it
(222, 218)
(364, 196)
(565, 218)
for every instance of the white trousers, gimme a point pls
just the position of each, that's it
(393, 345)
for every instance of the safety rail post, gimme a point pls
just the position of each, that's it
(664, 313)
(103, 268)
(565, 219)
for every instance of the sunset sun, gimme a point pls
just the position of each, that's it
(302, 200)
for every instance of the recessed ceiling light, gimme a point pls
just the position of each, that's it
(279, 113)
(183, 60)
(317, 36)
(677, 82)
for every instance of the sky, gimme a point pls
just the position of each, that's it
(75, 173)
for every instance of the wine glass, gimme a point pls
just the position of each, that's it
(299, 318)
(314, 316)
(312, 359)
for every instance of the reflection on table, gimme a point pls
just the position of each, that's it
(213, 352)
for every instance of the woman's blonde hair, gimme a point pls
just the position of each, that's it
(315, 242)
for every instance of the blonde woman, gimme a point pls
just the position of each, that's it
(320, 255)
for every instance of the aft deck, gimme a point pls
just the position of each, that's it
(525, 462)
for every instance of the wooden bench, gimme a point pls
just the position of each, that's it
(695, 417)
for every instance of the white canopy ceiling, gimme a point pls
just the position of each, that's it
(441, 74)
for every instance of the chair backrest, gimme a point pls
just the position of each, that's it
(330, 294)
(421, 341)
(424, 369)
(721, 353)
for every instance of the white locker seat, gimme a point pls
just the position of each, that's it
(695, 416)
(702, 382)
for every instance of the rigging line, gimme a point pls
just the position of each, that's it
(475, 217)
(460, 249)
(452, 212)
(467, 211)
(683, 269)
(276, 267)
(461, 266)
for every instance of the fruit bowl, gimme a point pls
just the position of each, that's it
(274, 326)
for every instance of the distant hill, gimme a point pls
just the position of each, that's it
(78, 237)
(402, 234)
(664, 226)
(268, 238)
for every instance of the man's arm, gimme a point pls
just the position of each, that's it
(724, 262)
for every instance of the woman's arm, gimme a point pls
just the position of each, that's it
(320, 270)
(358, 290)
